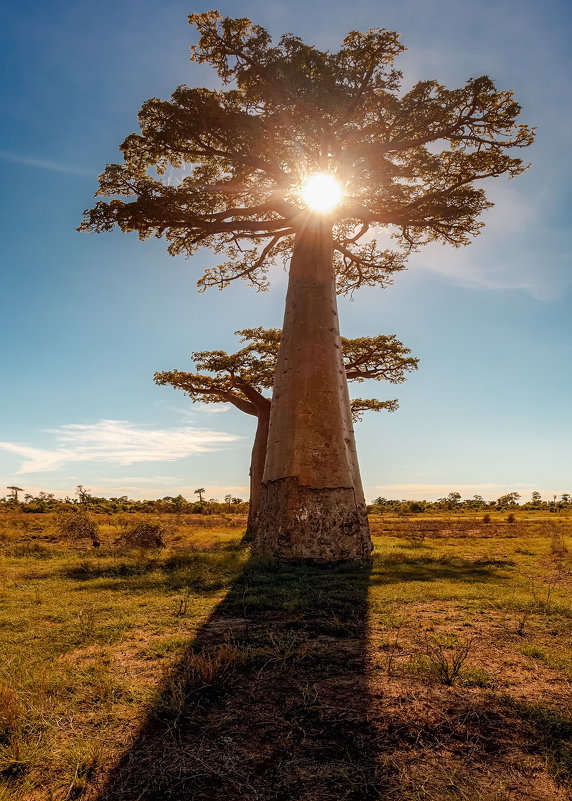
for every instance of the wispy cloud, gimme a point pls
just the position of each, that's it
(494, 263)
(210, 409)
(43, 164)
(433, 491)
(440, 487)
(202, 408)
(116, 442)
(138, 489)
(158, 479)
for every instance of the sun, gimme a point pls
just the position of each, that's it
(321, 192)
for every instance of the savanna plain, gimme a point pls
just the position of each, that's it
(440, 670)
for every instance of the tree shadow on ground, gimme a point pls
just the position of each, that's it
(398, 567)
(278, 698)
(206, 571)
(270, 701)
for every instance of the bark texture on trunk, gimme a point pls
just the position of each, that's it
(257, 462)
(312, 502)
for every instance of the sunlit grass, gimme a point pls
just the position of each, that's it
(85, 634)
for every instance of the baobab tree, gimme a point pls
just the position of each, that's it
(13, 497)
(245, 377)
(83, 494)
(308, 155)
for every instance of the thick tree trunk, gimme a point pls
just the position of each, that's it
(312, 503)
(257, 461)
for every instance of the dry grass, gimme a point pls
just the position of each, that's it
(443, 671)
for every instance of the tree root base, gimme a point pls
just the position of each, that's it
(300, 523)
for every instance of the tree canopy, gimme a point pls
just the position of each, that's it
(223, 168)
(226, 168)
(243, 377)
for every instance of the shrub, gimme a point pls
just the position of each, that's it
(77, 524)
(558, 547)
(10, 716)
(149, 534)
(443, 659)
(415, 535)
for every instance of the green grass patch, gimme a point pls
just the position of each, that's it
(554, 731)
(96, 641)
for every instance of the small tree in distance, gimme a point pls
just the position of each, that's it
(83, 494)
(199, 492)
(13, 497)
(238, 161)
(243, 377)
(510, 499)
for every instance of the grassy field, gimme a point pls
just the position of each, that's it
(442, 670)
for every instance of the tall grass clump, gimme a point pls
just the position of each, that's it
(11, 763)
(146, 534)
(77, 524)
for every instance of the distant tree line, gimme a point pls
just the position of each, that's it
(178, 504)
(453, 502)
(47, 502)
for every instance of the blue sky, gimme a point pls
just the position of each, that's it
(87, 319)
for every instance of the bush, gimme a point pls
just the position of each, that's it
(443, 659)
(558, 547)
(77, 524)
(146, 535)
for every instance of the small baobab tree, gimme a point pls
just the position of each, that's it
(245, 378)
(13, 497)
